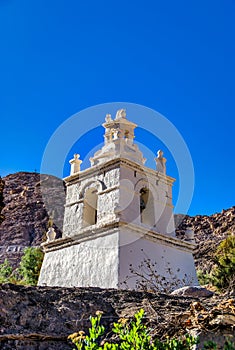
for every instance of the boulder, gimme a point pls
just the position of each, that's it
(193, 291)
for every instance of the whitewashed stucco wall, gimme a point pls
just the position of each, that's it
(134, 249)
(92, 263)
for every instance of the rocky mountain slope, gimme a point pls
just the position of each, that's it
(28, 201)
(209, 232)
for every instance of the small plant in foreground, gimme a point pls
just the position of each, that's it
(90, 341)
(131, 335)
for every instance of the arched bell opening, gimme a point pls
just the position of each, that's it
(90, 207)
(147, 214)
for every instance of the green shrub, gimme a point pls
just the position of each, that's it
(30, 265)
(28, 271)
(204, 277)
(5, 271)
(131, 335)
(134, 335)
(222, 275)
(224, 272)
(211, 345)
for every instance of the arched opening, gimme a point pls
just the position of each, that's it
(90, 207)
(147, 215)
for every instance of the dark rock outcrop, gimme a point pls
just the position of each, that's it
(27, 201)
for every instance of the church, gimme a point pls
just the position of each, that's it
(118, 223)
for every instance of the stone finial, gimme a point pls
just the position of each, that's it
(161, 162)
(108, 118)
(75, 164)
(121, 113)
(51, 234)
(189, 235)
(118, 140)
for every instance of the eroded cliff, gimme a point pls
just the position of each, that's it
(27, 202)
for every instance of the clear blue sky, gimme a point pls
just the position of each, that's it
(176, 57)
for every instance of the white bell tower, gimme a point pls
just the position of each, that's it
(117, 213)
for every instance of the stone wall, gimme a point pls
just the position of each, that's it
(34, 318)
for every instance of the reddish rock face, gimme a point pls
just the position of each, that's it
(25, 212)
